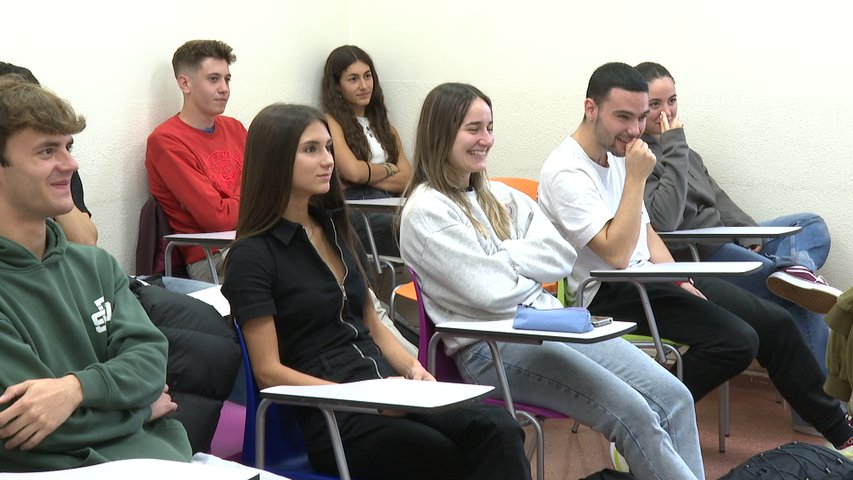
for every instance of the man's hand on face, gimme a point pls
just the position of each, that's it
(639, 160)
(38, 407)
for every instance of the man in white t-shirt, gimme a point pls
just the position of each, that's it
(591, 187)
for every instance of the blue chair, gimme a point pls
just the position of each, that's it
(285, 451)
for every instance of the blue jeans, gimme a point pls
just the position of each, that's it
(809, 248)
(611, 386)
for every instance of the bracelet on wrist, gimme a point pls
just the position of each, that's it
(369, 173)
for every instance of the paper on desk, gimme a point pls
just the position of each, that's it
(140, 469)
(213, 296)
(390, 392)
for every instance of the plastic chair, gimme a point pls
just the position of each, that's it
(445, 369)
(285, 451)
(524, 185)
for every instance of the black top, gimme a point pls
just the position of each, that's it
(77, 194)
(320, 326)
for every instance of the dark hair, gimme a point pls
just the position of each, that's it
(25, 73)
(24, 104)
(271, 146)
(188, 57)
(339, 60)
(442, 114)
(614, 75)
(652, 71)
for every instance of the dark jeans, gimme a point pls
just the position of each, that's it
(471, 442)
(381, 224)
(724, 334)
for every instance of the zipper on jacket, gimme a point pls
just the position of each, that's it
(343, 281)
(343, 301)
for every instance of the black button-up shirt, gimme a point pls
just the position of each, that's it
(319, 323)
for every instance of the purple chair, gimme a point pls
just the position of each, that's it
(444, 368)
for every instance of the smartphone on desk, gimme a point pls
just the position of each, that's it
(600, 321)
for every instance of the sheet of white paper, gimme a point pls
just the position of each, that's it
(139, 469)
(390, 392)
(213, 296)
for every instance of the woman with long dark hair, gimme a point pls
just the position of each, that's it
(368, 151)
(299, 293)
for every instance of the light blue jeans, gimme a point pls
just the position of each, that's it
(614, 388)
(809, 248)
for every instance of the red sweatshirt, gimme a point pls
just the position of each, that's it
(195, 176)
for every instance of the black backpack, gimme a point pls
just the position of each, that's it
(794, 460)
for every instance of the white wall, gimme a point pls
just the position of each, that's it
(762, 86)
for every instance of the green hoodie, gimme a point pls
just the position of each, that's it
(72, 312)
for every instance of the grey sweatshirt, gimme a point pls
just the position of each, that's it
(681, 194)
(466, 277)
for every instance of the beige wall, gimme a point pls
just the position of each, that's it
(762, 86)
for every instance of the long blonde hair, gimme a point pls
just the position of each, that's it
(441, 117)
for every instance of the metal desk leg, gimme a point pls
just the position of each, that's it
(371, 242)
(168, 252)
(694, 252)
(501, 373)
(260, 432)
(211, 265)
(660, 356)
(337, 444)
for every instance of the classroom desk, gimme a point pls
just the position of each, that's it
(672, 272)
(723, 235)
(663, 272)
(369, 396)
(501, 331)
(206, 241)
(375, 205)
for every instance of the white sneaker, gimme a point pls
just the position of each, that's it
(619, 463)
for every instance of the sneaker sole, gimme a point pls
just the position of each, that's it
(811, 299)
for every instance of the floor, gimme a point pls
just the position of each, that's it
(758, 423)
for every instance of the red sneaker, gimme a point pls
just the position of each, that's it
(801, 286)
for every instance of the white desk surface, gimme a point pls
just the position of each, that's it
(728, 233)
(680, 270)
(389, 393)
(390, 202)
(213, 296)
(211, 238)
(140, 469)
(501, 330)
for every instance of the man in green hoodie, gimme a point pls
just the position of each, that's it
(83, 376)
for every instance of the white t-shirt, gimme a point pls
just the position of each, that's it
(377, 153)
(580, 196)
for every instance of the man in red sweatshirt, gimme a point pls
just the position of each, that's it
(195, 158)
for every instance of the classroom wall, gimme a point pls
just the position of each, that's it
(762, 88)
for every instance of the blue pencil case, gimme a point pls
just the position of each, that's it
(568, 319)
